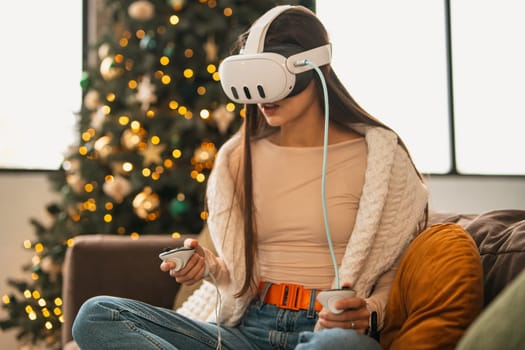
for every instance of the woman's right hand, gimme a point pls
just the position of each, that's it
(195, 268)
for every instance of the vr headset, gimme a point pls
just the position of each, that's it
(254, 76)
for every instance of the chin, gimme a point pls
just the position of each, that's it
(274, 121)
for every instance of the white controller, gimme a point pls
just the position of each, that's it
(329, 297)
(179, 256)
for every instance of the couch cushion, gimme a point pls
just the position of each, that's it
(437, 291)
(500, 237)
(500, 326)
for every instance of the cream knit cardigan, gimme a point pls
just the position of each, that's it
(389, 217)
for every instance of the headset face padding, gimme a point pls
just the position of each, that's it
(254, 76)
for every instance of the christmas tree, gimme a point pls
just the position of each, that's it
(152, 118)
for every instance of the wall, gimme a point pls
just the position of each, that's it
(25, 195)
(476, 194)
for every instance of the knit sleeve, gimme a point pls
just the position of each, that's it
(377, 301)
(201, 305)
(217, 271)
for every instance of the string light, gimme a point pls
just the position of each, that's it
(164, 60)
(211, 68)
(200, 178)
(176, 153)
(174, 20)
(173, 105)
(188, 73)
(204, 114)
(155, 140)
(110, 97)
(127, 166)
(166, 79)
(182, 110)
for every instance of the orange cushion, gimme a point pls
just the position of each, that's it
(437, 291)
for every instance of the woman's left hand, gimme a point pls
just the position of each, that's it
(355, 315)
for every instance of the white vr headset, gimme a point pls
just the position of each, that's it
(254, 76)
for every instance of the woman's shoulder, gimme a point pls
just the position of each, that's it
(229, 154)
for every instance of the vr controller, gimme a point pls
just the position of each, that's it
(179, 256)
(329, 297)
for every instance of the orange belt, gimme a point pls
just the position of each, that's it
(290, 296)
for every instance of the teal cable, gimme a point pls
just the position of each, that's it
(323, 176)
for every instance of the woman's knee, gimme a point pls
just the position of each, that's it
(93, 309)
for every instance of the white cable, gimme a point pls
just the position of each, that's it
(217, 311)
(323, 178)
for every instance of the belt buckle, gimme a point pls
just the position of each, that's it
(290, 296)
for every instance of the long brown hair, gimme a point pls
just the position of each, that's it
(299, 27)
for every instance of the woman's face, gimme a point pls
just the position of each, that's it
(292, 110)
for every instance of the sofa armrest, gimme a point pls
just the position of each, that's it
(105, 264)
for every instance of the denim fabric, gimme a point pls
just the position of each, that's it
(116, 323)
(336, 338)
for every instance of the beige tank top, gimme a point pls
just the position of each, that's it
(292, 242)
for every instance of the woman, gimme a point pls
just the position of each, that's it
(266, 221)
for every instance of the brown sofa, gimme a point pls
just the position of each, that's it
(121, 266)
(116, 265)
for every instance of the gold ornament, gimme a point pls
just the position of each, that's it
(117, 188)
(103, 147)
(141, 10)
(146, 93)
(205, 154)
(211, 49)
(103, 51)
(73, 177)
(152, 154)
(97, 118)
(92, 100)
(146, 204)
(177, 5)
(130, 139)
(108, 69)
(223, 118)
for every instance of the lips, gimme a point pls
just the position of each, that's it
(269, 108)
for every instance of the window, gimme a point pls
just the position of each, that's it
(393, 57)
(41, 68)
(488, 60)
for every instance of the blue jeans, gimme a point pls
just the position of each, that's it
(116, 323)
(105, 322)
(336, 338)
